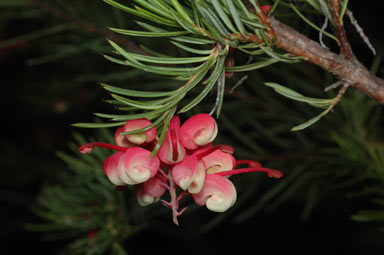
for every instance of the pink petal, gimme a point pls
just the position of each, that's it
(218, 193)
(155, 186)
(121, 140)
(138, 138)
(198, 130)
(136, 166)
(171, 151)
(143, 198)
(198, 181)
(111, 168)
(219, 161)
(189, 174)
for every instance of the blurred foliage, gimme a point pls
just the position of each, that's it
(50, 54)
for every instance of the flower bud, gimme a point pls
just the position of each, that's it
(218, 193)
(135, 165)
(198, 130)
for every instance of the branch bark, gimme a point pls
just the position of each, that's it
(346, 68)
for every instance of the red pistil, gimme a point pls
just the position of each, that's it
(250, 163)
(87, 148)
(175, 149)
(270, 172)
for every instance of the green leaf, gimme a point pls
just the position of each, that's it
(236, 17)
(192, 50)
(167, 119)
(142, 13)
(180, 10)
(155, 9)
(253, 66)
(148, 105)
(316, 102)
(311, 121)
(313, 25)
(219, 68)
(135, 93)
(148, 34)
(98, 125)
(170, 60)
(224, 17)
(213, 20)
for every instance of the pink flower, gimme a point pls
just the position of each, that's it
(187, 159)
(135, 165)
(189, 174)
(219, 161)
(138, 138)
(171, 151)
(143, 198)
(218, 193)
(198, 130)
(111, 168)
(156, 186)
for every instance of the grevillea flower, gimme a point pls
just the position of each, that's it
(142, 197)
(111, 168)
(219, 161)
(198, 130)
(138, 138)
(135, 165)
(155, 186)
(218, 193)
(189, 174)
(187, 159)
(171, 151)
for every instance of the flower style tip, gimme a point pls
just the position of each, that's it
(136, 166)
(198, 130)
(218, 193)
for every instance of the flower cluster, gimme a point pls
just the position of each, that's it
(187, 159)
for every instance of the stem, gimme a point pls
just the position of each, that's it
(270, 172)
(348, 70)
(87, 148)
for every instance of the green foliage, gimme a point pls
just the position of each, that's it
(85, 206)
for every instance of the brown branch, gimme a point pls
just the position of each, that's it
(347, 70)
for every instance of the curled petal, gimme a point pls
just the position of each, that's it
(143, 198)
(171, 151)
(198, 130)
(219, 161)
(121, 140)
(155, 186)
(138, 138)
(135, 166)
(198, 181)
(189, 174)
(111, 168)
(218, 193)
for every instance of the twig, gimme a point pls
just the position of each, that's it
(348, 70)
(325, 24)
(360, 31)
(333, 86)
(345, 47)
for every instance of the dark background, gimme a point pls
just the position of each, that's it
(39, 103)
